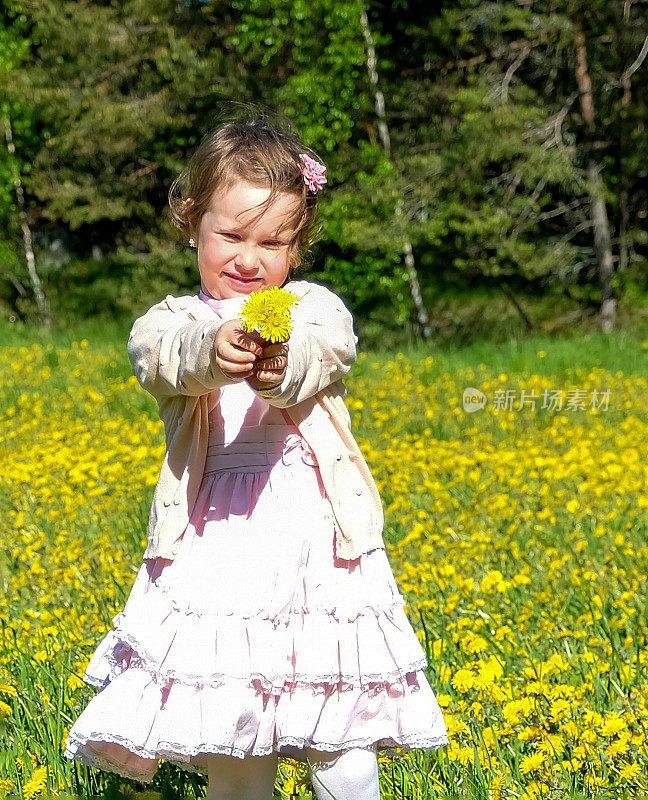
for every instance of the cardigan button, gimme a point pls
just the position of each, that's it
(166, 503)
(338, 457)
(358, 492)
(176, 501)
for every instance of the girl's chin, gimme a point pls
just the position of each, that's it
(226, 290)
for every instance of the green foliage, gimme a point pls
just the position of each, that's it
(486, 177)
(112, 87)
(318, 52)
(14, 47)
(123, 285)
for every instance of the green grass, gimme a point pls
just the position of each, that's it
(464, 492)
(625, 349)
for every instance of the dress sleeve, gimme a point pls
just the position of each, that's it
(321, 348)
(173, 354)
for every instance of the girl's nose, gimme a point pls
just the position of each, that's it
(246, 257)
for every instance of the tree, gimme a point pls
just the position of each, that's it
(487, 174)
(490, 89)
(117, 89)
(13, 45)
(598, 209)
(386, 142)
(310, 61)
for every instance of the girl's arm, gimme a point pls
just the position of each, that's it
(171, 354)
(321, 348)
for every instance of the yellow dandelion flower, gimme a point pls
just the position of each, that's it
(617, 747)
(531, 762)
(534, 790)
(466, 756)
(275, 327)
(36, 784)
(552, 745)
(268, 310)
(496, 786)
(629, 771)
(613, 724)
(570, 766)
(558, 710)
(463, 680)
(594, 781)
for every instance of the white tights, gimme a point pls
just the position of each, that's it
(346, 775)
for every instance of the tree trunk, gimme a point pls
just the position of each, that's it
(624, 193)
(383, 129)
(624, 201)
(600, 224)
(41, 300)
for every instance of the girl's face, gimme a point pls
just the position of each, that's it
(237, 256)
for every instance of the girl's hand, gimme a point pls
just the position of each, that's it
(236, 350)
(270, 367)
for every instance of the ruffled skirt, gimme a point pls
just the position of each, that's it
(256, 637)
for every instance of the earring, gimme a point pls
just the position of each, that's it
(192, 243)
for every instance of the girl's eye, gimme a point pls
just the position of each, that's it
(234, 237)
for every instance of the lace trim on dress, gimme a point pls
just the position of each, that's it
(176, 753)
(320, 684)
(123, 651)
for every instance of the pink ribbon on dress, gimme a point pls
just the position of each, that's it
(296, 446)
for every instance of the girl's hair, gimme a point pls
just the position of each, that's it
(265, 153)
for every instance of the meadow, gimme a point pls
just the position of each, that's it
(518, 535)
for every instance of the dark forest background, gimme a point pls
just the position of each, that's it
(487, 161)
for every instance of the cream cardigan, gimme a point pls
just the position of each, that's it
(171, 349)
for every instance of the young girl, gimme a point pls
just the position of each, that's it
(265, 619)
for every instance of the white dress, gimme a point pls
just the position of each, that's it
(256, 638)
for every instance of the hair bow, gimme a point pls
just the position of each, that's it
(313, 171)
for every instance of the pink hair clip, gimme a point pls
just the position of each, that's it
(313, 171)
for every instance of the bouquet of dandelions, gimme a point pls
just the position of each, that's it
(268, 310)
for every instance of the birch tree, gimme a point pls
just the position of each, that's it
(41, 300)
(385, 138)
(600, 224)
(14, 44)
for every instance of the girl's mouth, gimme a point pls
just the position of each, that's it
(241, 281)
